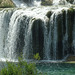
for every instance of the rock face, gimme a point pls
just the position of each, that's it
(61, 2)
(28, 1)
(46, 2)
(70, 58)
(71, 1)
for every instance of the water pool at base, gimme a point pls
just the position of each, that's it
(56, 69)
(52, 68)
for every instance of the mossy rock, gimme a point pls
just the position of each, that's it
(70, 58)
(38, 37)
(6, 4)
(71, 10)
(71, 1)
(70, 19)
(46, 2)
(49, 13)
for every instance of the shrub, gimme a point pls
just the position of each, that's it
(21, 68)
(36, 56)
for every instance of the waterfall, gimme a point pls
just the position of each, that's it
(31, 3)
(47, 30)
(18, 35)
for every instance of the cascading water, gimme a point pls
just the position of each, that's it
(25, 3)
(4, 26)
(48, 30)
(56, 2)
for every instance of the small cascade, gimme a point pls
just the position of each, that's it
(59, 2)
(37, 2)
(26, 3)
(65, 38)
(31, 3)
(19, 3)
(55, 33)
(4, 26)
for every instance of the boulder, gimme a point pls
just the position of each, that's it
(49, 13)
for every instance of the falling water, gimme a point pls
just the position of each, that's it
(4, 26)
(74, 35)
(56, 2)
(44, 30)
(25, 3)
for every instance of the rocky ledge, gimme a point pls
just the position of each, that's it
(61, 2)
(47, 2)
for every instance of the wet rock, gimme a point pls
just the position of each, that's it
(46, 2)
(49, 13)
(28, 1)
(38, 37)
(71, 1)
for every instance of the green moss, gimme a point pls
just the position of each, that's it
(70, 19)
(71, 1)
(71, 10)
(46, 2)
(63, 11)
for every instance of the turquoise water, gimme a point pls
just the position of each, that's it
(52, 68)
(56, 69)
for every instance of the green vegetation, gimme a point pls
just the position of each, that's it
(36, 56)
(6, 4)
(21, 68)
